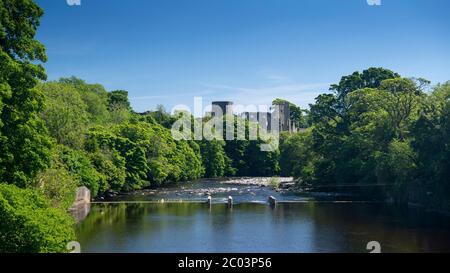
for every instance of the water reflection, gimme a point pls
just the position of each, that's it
(289, 227)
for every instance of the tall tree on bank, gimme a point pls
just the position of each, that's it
(333, 116)
(30, 221)
(24, 144)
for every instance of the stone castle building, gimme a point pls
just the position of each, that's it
(285, 124)
(285, 116)
(263, 118)
(220, 108)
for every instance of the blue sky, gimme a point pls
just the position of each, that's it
(248, 51)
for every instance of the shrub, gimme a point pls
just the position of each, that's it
(81, 168)
(274, 182)
(111, 166)
(58, 186)
(29, 224)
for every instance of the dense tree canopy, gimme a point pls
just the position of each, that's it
(30, 224)
(377, 128)
(24, 145)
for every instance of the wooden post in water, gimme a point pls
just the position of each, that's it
(230, 202)
(272, 201)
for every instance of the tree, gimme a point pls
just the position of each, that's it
(377, 129)
(261, 163)
(334, 107)
(343, 148)
(80, 167)
(136, 167)
(119, 106)
(431, 141)
(56, 183)
(401, 103)
(369, 78)
(111, 166)
(162, 117)
(30, 225)
(24, 145)
(65, 114)
(119, 98)
(397, 167)
(94, 96)
(297, 156)
(214, 158)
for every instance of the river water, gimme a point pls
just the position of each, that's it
(143, 222)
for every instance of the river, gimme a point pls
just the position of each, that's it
(177, 219)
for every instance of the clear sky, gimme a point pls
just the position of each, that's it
(248, 51)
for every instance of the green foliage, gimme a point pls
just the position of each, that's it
(80, 167)
(370, 78)
(214, 158)
(260, 163)
(245, 157)
(397, 165)
(296, 155)
(94, 96)
(118, 114)
(359, 121)
(119, 106)
(24, 145)
(189, 158)
(274, 182)
(162, 117)
(119, 98)
(432, 143)
(377, 129)
(150, 155)
(111, 167)
(58, 186)
(65, 113)
(401, 101)
(29, 224)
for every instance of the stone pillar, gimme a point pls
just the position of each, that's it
(272, 201)
(230, 202)
(83, 195)
(82, 205)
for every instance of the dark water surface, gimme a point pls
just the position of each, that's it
(252, 226)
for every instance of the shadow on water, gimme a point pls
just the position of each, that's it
(251, 227)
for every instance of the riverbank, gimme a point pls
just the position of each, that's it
(250, 189)
(210, 186)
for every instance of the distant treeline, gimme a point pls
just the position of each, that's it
(99, 142)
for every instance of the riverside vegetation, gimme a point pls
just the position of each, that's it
(375, 127)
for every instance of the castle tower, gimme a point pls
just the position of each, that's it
(220, 108)
(285, 116)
